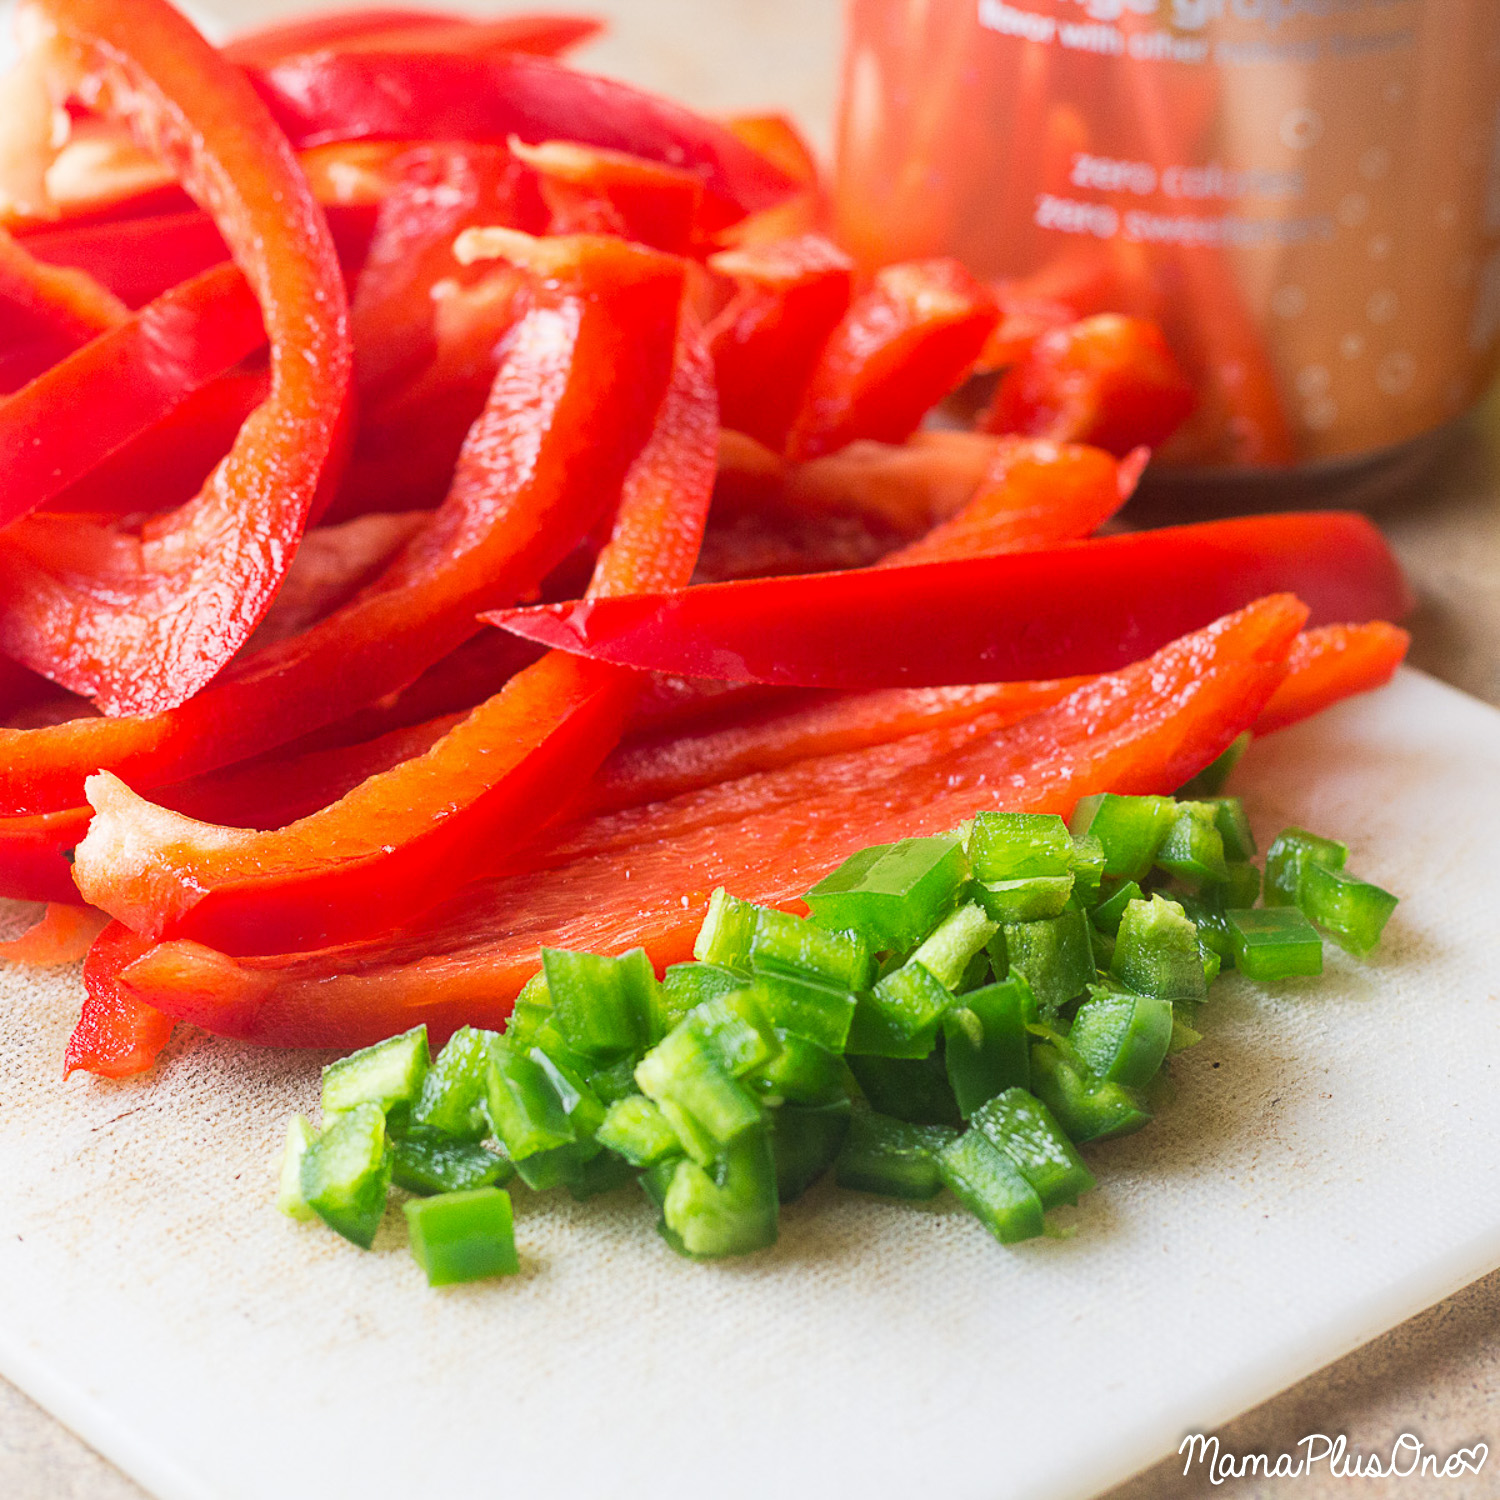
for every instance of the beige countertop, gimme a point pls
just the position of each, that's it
(1437, 1376)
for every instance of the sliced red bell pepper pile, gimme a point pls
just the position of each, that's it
(1108, 380)
(141, 622)
(121, 384)
(907, 341)
(789, 297)
(1056, 612)
(768, 838)
(404, 839)
(540, 466)
(341, 97)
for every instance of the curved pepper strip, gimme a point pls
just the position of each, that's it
(118, 1034)
(166, 465)
(777, 139)
(1331, 663)
(141, 623)
(333, 97)
(1107, 380)
(411, 31)
(136, 259)
(62, 935)
(789, 297)
(592, 190)
(121, 384)
(404, 840)
(906, 342)
(540, 466)
(767, 838)
(1055, 612)
(46, 311)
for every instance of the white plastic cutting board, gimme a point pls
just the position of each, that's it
(1328, 1168)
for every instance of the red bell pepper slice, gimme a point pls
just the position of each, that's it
(777, 139)
(540, 466)
(645, 876)
(141, 623)
(62, 935)
(118, 1034)
(789, 297)
(137, 259)
(332, 97)
(437, 192)
(1108, 380)
(1055, 612)
(907, 341)
(591, 190)
(46, 312)
(1331, 663)
(167, 464)
(1035, 495)
(411, 31)
(121, 384)
(404, 840)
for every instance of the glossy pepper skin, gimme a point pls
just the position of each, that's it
(1081, 607)
(769, 837)
(63, 424)
(341, 97)
(404, 839)
(788, 298)
(1108, 380)
(907, 340)
(141, 623)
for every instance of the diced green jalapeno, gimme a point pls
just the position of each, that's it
(1274, 942)
(899, 1017)
(891, 893)
(346, 1173)
(1021, 1126)
(1352, 912)
(617, 1081)
(636, 1129)
(1290, 852)
(914, 1089)
(602, 1172)
(299, 1136)
(1087, 1108)
(389, 1074)
(728, 926)
(1193, 848)
(1014, 846)
(453, 1092)
(947, 951)
(1130, 829)
(806, 1140)
(1088, 869)
(892, 1157)
(536, 1105)
(427, 1161)
(684, 987)
(1123, 1038)
(1055, 957)
(531, 1012)
(1028, 900)
(806, 1008)
(463, 1236)
(990, 1185)
(604, 1007)
(801, 1072)
(1242, 888)
(1234, 827)
(986, 1043)
(1106, 916)
(731, 1212)
(800, 949)
(685, 1074)
(1157, 952)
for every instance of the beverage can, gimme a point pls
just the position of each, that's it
(1304, 193)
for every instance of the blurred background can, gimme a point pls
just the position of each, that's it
(1305, 193)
